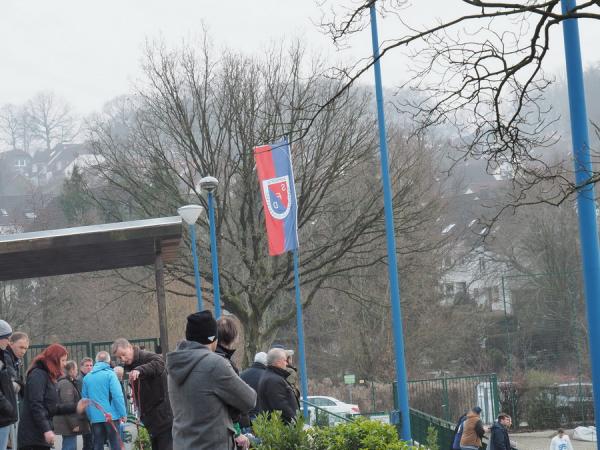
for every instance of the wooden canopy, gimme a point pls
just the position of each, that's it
(88, 249)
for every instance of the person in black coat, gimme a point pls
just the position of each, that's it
(8, 397)
(148, 381)
(499, 439)
(252, 376)
(41, 402)
(18, 345)
(274, 392)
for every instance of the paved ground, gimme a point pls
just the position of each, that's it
(540, 440)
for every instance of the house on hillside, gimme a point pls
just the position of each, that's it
(475, 276)
(16, 161)
(471, 272)
(50, 168)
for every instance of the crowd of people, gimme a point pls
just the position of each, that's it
(197, 399)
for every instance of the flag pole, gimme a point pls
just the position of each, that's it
(402, 390)
(300, 331)
(586, 202)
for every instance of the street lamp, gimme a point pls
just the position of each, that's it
(209, 184)
(190, 214)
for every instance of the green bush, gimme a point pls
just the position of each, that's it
(360, 434)
(142, 441)
(432, 438)
(275, 435)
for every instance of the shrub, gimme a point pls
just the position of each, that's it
(275, 435)
(142, 441)
(432, 438)
(360, 434)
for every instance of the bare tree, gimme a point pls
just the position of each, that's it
(480, 73)
(196, 116)
(51, 119)
(16, 129)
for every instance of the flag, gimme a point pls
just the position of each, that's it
(276, 179)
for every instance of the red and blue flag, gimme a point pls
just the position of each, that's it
(276, 179)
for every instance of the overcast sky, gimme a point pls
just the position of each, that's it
(89, 52)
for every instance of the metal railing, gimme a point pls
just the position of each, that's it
(449, 397)
(324, 417)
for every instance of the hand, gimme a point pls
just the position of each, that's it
(49, 437)
(242, 441)
(76, 429)
(82, 404)
(123, 419)
(134, 375)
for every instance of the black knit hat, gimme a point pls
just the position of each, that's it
(201, 327)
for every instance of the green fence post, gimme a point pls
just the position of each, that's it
(496, 399)
(445, 399)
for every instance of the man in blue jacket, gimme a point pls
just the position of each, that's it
(499, 439)
(107, 405)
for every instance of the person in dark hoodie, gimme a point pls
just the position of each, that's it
(203, 387)
(499, 439)
(41, 402)
(473, 430)
(148, 380)
(8, 396)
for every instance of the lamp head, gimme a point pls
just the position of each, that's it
(209, 183)
(190, 213)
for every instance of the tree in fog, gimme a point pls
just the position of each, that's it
(195, 116)
(51, 119)
(480, 73)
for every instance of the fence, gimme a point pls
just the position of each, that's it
(79, 350)
(449, 397)
(543, 342)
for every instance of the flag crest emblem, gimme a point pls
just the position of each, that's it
(278, 196)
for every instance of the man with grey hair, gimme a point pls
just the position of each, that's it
(102, 387)
(148, 379)
(274, 391)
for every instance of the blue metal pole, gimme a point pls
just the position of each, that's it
(586, 203)
(214, 256)
(196, 269)
(300, 330)
(402, 391)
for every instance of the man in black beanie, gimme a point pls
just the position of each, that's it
(202, 388)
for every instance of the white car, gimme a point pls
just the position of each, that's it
(332, 405)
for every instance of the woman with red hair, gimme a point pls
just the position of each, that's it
(41, 401)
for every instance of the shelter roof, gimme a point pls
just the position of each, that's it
(89, 248)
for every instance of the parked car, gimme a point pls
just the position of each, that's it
(332, 405)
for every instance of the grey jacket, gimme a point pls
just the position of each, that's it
(202, 388)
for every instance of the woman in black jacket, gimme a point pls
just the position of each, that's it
(41, 401)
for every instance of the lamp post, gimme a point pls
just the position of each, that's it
(190, 214)
(209, 184)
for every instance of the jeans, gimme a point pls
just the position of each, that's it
(69, 442)
(4, 433)
(104, 431)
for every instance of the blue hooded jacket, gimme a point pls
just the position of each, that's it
(102, 386)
